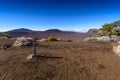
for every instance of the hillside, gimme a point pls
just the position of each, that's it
(20, 30)
(51, 32)
(79, 61)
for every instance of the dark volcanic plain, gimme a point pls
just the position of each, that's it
(79, 61)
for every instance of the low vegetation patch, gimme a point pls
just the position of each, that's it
(52, 38)
(6, 42)
(5, 35)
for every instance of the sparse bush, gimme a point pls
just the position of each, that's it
(6, 43)
(116, 31)
(69, 40)
(108, 30)
(5, 35)
(52, 38)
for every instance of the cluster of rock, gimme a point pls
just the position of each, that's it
(26, 41)
(103, 38)
(23, 41)
(116, 48)
(45, 40)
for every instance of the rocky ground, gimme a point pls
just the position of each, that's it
(61, 61)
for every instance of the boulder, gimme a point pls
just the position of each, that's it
(118, 42)
(90, 39)
(42, 40)
(23, 41)
(116, 49)
(115, 38)
(104, 38)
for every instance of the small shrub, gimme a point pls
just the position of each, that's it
(52, 38)
(69, 40)
(5, 35)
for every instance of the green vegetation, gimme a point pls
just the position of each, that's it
(52, 38)
(6, 42)
(116, 31)
(108, 30)
(5, 35)
(97, 33)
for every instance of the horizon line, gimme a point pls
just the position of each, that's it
(82, 31)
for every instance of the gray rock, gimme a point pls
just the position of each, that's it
(42, 40)
(116, 49)
(118, 42)
(115, 37)
(23, 41)
(90, 39)
(104, 38)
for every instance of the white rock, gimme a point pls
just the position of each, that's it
(118, 42)
(30, 57)
(104, 38)
(114, 37)
(23, 41)
(90, 39)
(42, 40)
(116, 49)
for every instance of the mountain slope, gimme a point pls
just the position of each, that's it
(51, 32)
(21, 30)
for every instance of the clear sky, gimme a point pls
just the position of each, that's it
(69, 15)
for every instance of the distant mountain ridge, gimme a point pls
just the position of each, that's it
(21, 30)
(29, 30)
(51, 32)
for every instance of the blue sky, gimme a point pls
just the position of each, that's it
(69, 15)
